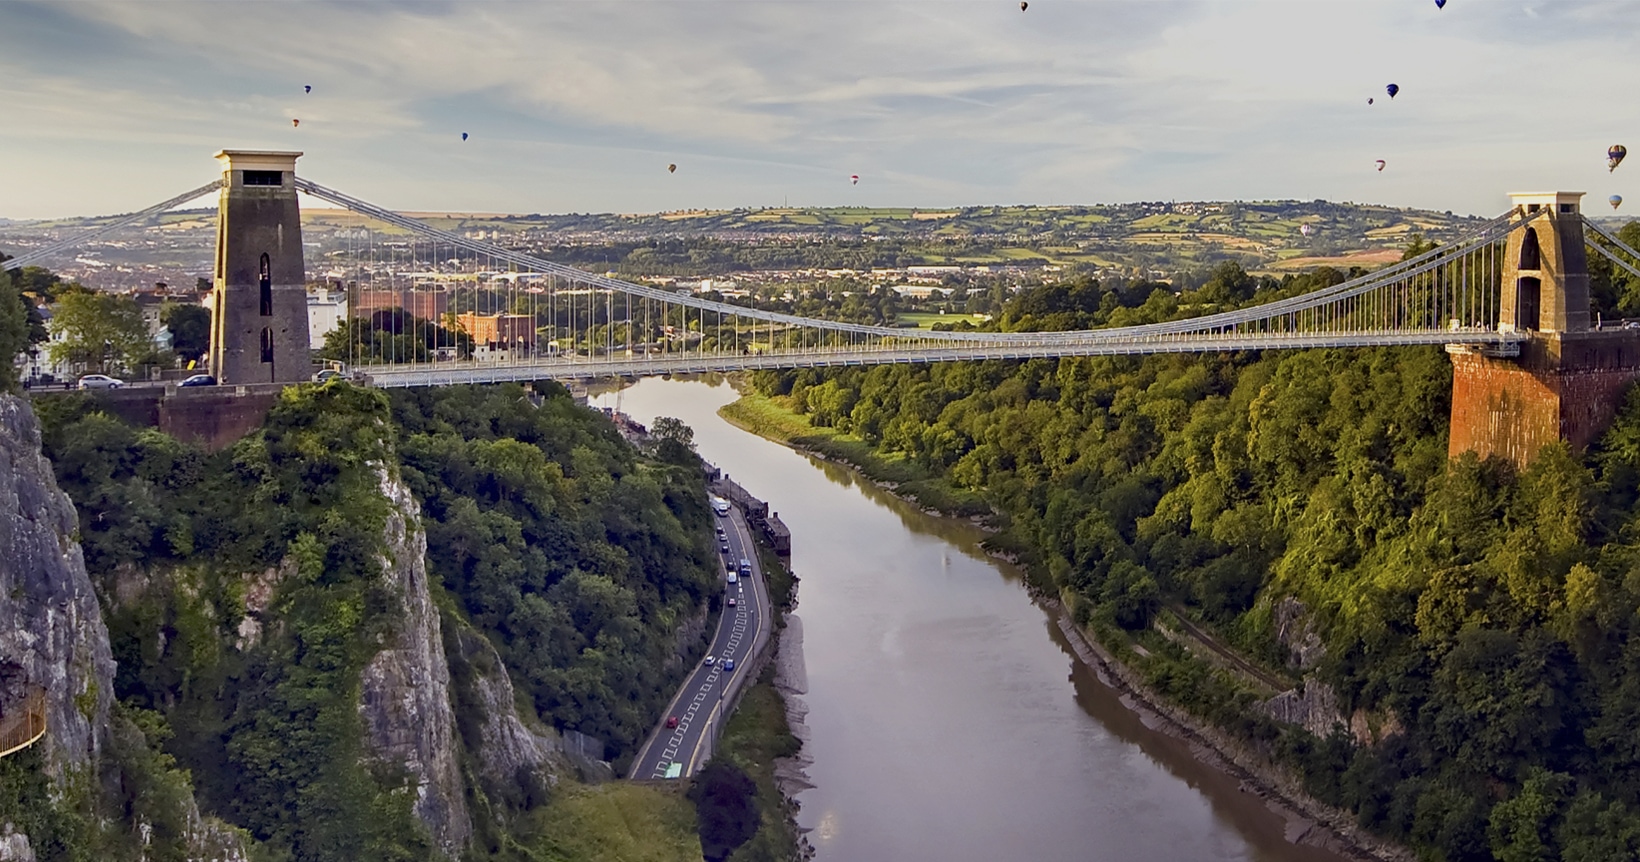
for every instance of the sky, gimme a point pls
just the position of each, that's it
(580, 106)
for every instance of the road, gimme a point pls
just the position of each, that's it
(699, 703)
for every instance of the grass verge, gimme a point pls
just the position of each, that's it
(771, 418)
(620, 822)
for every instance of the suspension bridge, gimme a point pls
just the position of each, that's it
(428, 307)
(437, 307)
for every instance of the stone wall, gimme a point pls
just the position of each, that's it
(1563, 386)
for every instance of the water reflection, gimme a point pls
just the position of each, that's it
(941, 723)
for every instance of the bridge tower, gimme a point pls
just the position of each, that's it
(259, 323)
(1570, 376)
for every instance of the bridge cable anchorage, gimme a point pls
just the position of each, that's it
(1404, 303)
(29, 258)
(1611, 256)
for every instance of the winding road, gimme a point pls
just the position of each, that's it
(676, 752)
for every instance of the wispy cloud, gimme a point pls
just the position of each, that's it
(579, 105)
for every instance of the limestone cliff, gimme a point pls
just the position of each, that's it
(516, 764)
(405, 701)
(51, 626)
(52, 636)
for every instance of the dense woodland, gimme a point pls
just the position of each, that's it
(575, 554)
(1479, 622)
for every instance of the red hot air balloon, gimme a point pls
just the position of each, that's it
(1381, 165)
(854, 179)
(671, 169)
(295, 123)
(1023, 5)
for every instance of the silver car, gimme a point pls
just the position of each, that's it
(101, 381)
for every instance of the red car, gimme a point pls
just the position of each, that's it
(671, 722)
(731, 601)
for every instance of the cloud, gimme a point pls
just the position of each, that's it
(571, 105)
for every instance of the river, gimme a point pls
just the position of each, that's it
(948, 718)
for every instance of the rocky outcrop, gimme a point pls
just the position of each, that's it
(1295, 630)
(405, 701)
(51, 627)
(516, 764)
(1312, 706)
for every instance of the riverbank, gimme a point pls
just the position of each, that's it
(1307, 821)
(770, 420)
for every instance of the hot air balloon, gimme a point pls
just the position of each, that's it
(1305, 229)
(1614, 156)
(671, 169)
(854, 179)
(1440, 4)
(1369, 100)
(1392, 89)
(1380, 165)
(1616, 201)
(307, 88)
(464, 136)
(295, 123)
(1023, 5)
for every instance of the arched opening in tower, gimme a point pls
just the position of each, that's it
(267, 344)
(266, 285)
(1529, 301)
(1530, 254)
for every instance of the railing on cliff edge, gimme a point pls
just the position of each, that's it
(22, 724)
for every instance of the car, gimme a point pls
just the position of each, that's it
(731, 601)
(711, 660)
(101, 381)
(721, 534)
(326, 375)
(728, 664)
(671, 722)
(724, 547)
(199, 380)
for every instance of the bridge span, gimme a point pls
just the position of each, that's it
(434, 307)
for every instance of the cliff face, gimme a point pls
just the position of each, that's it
(405, 702)
(51, 627)
(517, 765)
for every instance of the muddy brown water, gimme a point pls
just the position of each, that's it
(948, 718)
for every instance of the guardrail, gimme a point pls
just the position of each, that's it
(22, 724)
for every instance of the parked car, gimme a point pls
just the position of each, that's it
(326, 375)
(101, 381)
(199, 380)
(671, 722)
(728, 664)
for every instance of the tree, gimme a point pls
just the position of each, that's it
(676, 440)
(726, 808)
(14, 331)
(190, 327)
(100, 330)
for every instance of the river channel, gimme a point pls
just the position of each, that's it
(948, 718)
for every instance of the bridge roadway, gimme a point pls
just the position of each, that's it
(574, 368)
(700, 701)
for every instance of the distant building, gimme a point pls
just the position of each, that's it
(326, 310)
(499, 331)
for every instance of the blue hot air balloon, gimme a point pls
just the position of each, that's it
(1440, 4)
(1616, 201)
(1369, 100)
(1392, 89)
(1614, 156)
(307, 88)
(464, 136)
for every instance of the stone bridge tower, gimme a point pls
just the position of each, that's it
(1569, 378)
(259, 321)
